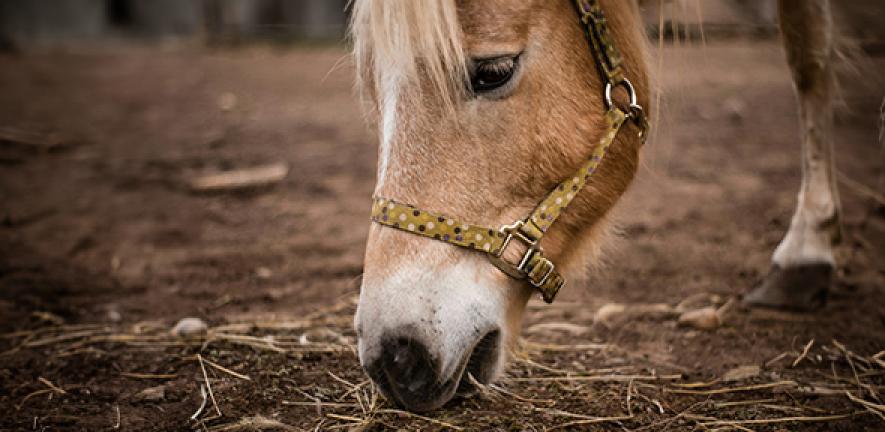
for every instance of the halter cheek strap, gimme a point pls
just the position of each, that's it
(539, 271)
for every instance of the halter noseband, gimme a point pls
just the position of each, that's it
(539, 271)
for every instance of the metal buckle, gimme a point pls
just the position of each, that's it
(546, 276)
(637, 114)
(515, 270)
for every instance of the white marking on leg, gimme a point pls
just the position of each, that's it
(807, 29)
(815, 222)
(805, 243)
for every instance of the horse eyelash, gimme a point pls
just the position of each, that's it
(505, 64)
(512, 65)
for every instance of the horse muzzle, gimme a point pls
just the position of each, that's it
(407, 372)
(428, 316)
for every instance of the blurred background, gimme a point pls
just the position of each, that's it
(36, 23)
(46, 22)
(162, 159)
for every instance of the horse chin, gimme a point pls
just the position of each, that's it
(443, 393)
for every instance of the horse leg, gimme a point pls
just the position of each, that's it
(803, 264)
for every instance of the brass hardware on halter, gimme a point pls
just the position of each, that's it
(637, 114)
(516, 270)
(539, 271)
(634, 110)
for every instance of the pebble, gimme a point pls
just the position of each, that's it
(735, 109)
(151, 394)
(189, 327)
(705, 318)
(227, 101)
(114, 316)
(263, 273)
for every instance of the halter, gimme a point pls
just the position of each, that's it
(539, 271)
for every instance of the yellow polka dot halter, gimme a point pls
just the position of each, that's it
(540, 272)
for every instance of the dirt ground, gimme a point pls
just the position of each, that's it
(103, 248)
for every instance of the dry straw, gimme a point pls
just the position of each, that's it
(539, 383)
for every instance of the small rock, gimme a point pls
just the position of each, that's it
(734, 109)
(741, 373)
(187, 327)
(150, 394)
(263, 273)
(227, 101)
(114, 316)
(705, 318)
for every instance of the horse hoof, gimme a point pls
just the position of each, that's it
(802, 287)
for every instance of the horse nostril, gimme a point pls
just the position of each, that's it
(405, 370)
(403, 357)
(417, 385)
(411, 366)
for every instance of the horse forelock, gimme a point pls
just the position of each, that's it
(417, 41)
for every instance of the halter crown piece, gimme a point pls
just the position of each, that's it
(539, 271)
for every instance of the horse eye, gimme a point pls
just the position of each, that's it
(490, 74)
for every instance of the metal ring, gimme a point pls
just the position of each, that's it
(631, 92)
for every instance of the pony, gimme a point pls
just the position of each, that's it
(482, 107)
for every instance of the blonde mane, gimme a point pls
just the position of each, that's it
(411, 41)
